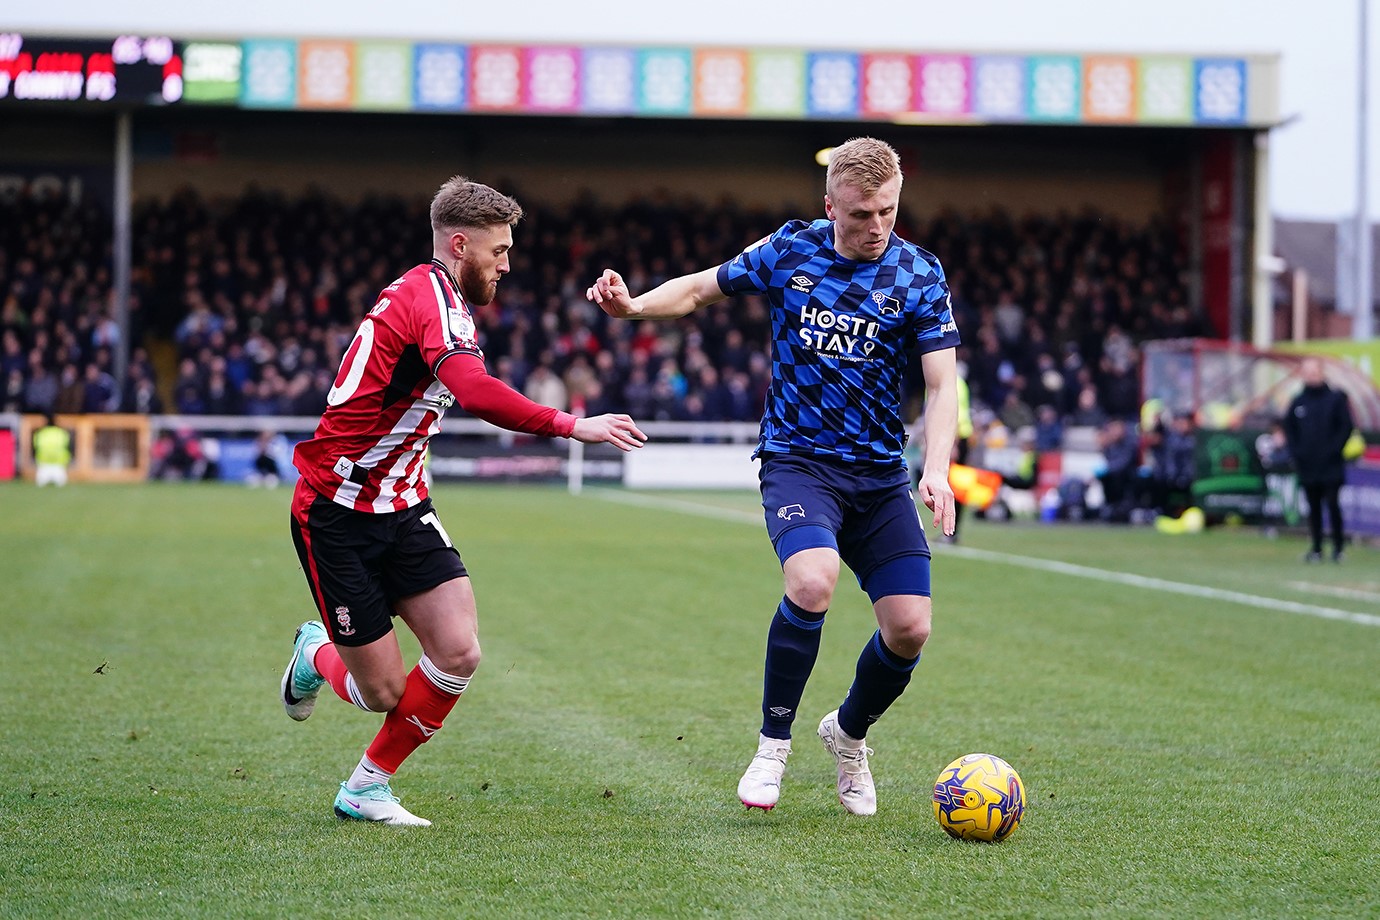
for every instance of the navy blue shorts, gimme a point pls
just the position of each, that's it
(865, 513)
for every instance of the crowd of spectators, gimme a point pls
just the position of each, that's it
(254, 298)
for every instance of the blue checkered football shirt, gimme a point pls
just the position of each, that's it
(842, 332)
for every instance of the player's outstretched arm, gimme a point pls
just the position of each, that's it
(941, 425)
(674, 298)
(484, 396)
(619, 430)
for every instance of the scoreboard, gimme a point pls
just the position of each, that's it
(130, 69)
(907, 87)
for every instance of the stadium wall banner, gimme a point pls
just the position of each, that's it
(685, 82)
(692, 466)
(1360, 499)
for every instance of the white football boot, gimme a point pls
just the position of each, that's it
(856, 789)
(376, 803)
(760, 786)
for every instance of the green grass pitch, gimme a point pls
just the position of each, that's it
(1184, 754)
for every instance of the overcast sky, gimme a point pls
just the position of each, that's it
(1313, 171)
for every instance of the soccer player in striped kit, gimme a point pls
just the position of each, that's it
(849, 301)
(366, 533)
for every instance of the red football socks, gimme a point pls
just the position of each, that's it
(429, 697)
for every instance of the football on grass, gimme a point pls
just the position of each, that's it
(979, 797)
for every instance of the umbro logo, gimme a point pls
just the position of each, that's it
(802, 284)
(426, 732)
(780, 711)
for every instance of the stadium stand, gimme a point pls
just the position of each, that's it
(242, 305)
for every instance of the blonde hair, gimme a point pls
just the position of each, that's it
(461, 203)
(864, 163)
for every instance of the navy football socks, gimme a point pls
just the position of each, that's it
(792, 647)
(880, 678)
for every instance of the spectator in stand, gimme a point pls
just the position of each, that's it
(1120, 385)
(141, 395)
(12, 356)
(41, 389)
(99, 393)
(1089, 412)
(260, 400)
(578, 379)
(188, 398)
(1049, 429)
(12, 398)
(544, 387)
(1015, 412)
(219, 397)
(71, 394)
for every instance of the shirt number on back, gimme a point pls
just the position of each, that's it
(356, 356)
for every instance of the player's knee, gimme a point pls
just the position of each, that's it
(812, 588)
(905, 623)
(909, 637)
(383, 696)
(460, 661)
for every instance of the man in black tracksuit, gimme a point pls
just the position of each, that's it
(1317, 425)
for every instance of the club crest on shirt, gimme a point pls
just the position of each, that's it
(886, 306)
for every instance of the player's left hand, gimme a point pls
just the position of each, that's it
(935, 492)
(619, 430)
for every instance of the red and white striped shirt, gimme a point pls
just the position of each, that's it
(388, 396)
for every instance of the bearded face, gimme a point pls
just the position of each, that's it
(483, 262)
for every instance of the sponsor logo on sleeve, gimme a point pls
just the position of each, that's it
(461, 326)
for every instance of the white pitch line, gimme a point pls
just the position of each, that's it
(673, 504)
(1030, 562)
(1351, 594)
(1172, 587)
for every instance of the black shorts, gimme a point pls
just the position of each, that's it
(359, 563)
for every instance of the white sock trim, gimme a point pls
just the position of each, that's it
(446, 683)
(356, 697)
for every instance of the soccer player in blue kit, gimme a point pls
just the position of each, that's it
(849, 302)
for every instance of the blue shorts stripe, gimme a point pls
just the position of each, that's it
(803, 537)
(906, 574)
